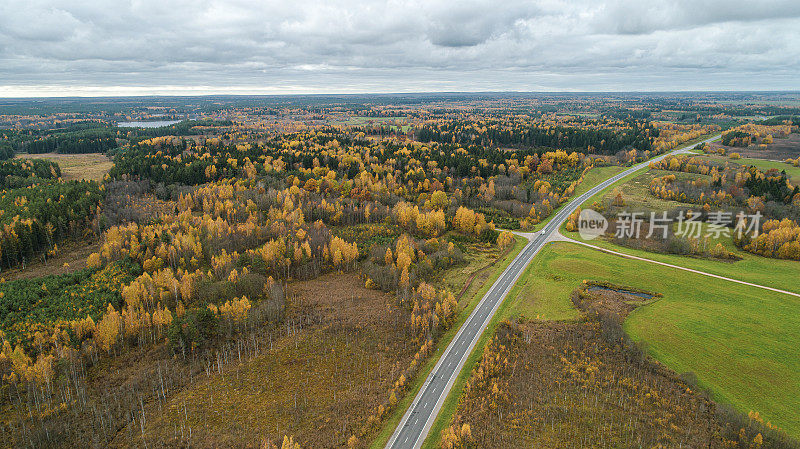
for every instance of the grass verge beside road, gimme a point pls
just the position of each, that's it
(593, 177)
(451, 402)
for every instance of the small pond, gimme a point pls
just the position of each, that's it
(594, 288)
(156, 124)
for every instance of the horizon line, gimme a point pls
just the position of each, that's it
(391, 94)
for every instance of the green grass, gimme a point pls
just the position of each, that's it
(776, 273)
(390, 424)
(541, 294)
(740, 341)
(636, 190)
(596, 176)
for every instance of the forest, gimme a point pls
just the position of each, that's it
(92, 137)
(596, 137)
(39, 210)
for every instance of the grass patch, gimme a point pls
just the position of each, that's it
(596, 176)
(775, 273)
(474, 292)
(541, 294)
(636, 190)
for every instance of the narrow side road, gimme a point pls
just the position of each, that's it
(418, 419)
(677, 267)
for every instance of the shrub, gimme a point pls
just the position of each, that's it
(195, 329)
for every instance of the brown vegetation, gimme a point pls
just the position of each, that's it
(318, 375)
(341, 350)
(780, 148)
(584, 384)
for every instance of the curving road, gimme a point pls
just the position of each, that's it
(416, 423)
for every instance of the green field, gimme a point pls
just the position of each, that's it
(541, 293)
(776, 273)
(740, 341)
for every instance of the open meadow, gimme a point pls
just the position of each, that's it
(88, 166)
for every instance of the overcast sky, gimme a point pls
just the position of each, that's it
(108, 47)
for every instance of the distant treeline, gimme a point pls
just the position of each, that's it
(90, 137)
(602, 141)
(87, 141)
(184, 128)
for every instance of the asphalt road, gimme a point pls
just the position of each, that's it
(416, 423)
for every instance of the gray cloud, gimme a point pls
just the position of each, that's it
(641, 17)
(143, 46)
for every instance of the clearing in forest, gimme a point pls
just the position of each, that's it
(89, 166)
